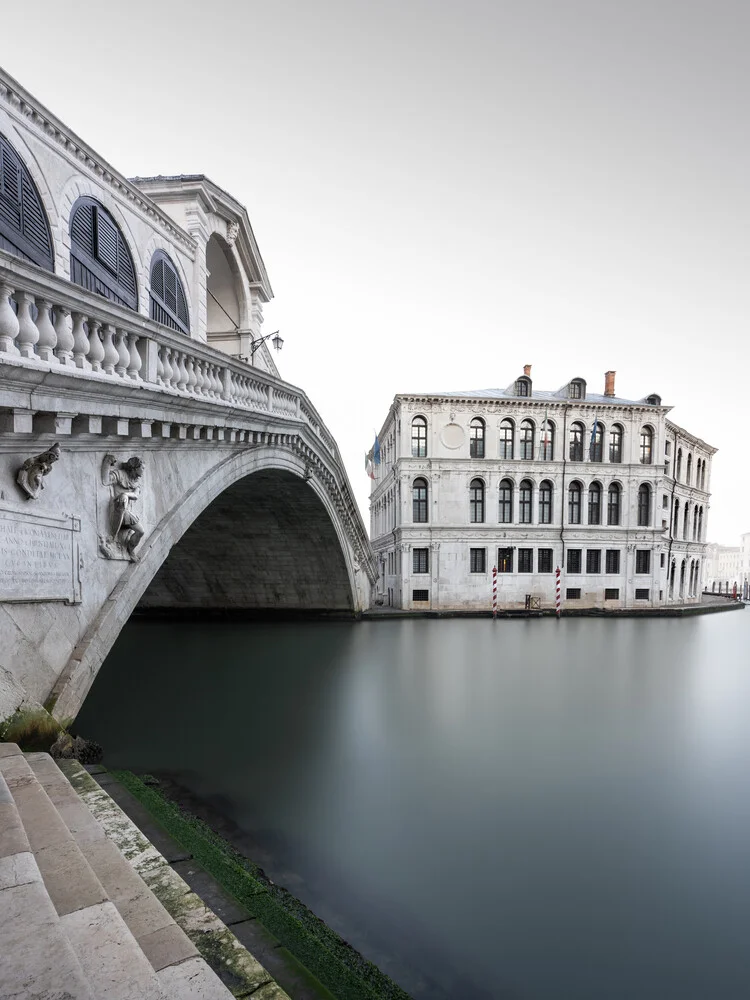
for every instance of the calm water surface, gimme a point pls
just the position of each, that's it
(519, 810)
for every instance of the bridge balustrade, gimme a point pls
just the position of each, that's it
(48, 321)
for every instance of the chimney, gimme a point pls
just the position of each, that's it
(527, 370)
(609, 383)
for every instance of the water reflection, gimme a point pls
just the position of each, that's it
(521, 809)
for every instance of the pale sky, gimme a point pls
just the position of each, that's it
(443, 192)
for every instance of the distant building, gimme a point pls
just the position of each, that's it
(724, 566)
(606, 488)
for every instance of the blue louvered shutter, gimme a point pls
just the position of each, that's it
(100, 259)
(168, 300)
(24, 230)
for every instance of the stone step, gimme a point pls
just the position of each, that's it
(109, 957)
(163, 943)
(36, 957)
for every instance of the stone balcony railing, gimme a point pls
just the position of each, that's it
(48, 321)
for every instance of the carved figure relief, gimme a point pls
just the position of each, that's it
(233, 231)
(31, 474)
(124, 481)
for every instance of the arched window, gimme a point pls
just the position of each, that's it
(574, 503)
(525, 492)
(685, 521)
(678, 467)
(614, 498)
(545, 502)
(24, 230)
(476, 438)
(647, 440)
(476, 501)
(615, 443)
(676, 519)
(596, 445)
(577, 389)
(644, 505)
(595, 503)
(506, 502)
(695, 523)
(547, 441)
(689, 469)
(576, 442)
(99, 257)
(703, 475)
(682, 577)
(506, 438)
(523, 386)
(700, 525)
(653, 399)
(168, 302)
(527, 439)
(419, 501)
(419, 437)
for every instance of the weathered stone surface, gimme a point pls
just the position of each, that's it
(13, 839)
(18, 869)
(109, 955)
(36, 958)
(9, 750)
(193, 980)
(167, 946)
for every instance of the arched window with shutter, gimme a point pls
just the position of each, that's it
(24, 230)
(99, 257)
(168, 300)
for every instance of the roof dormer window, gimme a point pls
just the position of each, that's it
(653, 400)
(523, 386)
(577, 389)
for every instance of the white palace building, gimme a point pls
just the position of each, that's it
(607, 489)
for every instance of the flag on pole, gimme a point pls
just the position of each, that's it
(369, 467)
(376, 451)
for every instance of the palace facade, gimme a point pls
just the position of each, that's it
(607, 489)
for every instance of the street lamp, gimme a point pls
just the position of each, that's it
(276, 340)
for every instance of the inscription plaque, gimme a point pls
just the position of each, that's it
(39, 556)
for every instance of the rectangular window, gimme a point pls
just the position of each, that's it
(574, 560)
(613, 561)
(573, 594)
(664, 500)
(612, 594)
(421, 560)
(643, 595)
(643, 560)
(478, 560)
(593, 560)
(525, 560)
(420, 595)
(544, 561)
(662, 560)
(505, 560)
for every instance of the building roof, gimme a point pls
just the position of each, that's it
(539, 395)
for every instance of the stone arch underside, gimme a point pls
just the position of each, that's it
(267, 542)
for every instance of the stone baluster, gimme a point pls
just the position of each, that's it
(136, 362)
(218, 382)
(201, 381)
(123, 354)
(191, 379)
(28, 334)
(161, 370)
(225, 377)
(111, 357)
(168, 373)
(211, 381)
(47, 336)
(96, 351)
(182, 373)
(269, 398)
(80, 340)
(64, 335)
(8, 322)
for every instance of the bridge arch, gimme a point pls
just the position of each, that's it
(289, 552)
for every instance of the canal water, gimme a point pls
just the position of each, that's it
(518, 810)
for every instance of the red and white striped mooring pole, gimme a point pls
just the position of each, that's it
(558, 599)
(494, 591)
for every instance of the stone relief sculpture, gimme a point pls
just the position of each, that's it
(31, 474)
(125, 485)
(233, 231)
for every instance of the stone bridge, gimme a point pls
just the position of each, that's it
(240, 500)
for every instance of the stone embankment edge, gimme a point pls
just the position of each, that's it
(216, 944)
(686, 611)
(341, 969)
